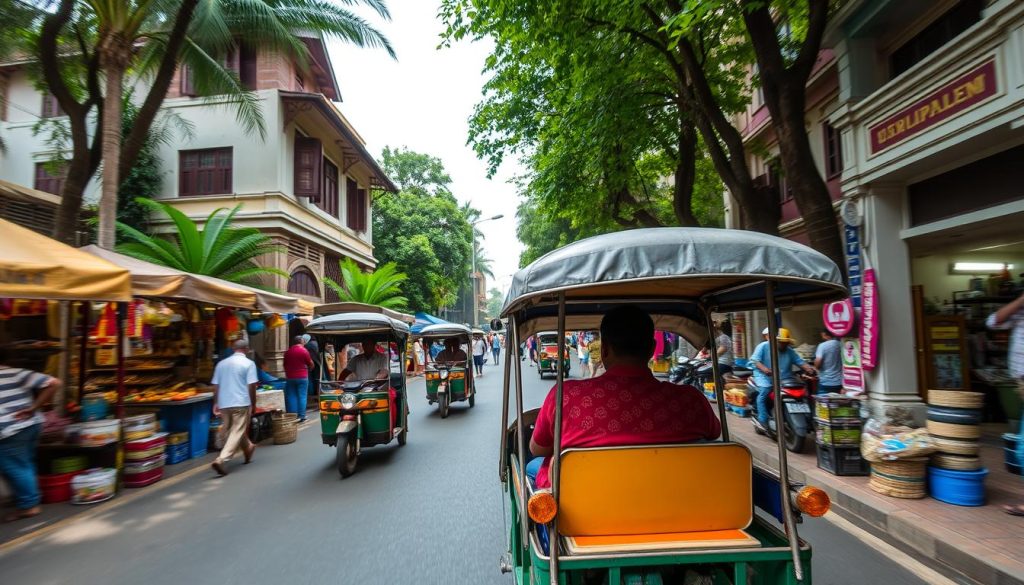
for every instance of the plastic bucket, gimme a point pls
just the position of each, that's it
(56, 488)
(960, 488)
(94, 407)
(95, 485)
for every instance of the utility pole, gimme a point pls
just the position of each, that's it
(473, 276)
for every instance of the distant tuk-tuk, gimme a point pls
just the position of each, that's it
(646, 514)
(355, 414)
(448, 382)
(548, 347)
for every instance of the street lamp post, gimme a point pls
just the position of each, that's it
(472, 320)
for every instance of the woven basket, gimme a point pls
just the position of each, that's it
(904, 478)
(954, 431)
(285, 427)
(956, 398)
(956, 462)
(957, 446)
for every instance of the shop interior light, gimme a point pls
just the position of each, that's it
(980, 267)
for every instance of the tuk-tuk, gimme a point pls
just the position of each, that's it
(448, 382)
(651, 513)
(355, 414)
(548, 347)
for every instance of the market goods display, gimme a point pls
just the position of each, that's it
(838, 435)
(145, 472)
(145, 448)
(954, 431)
(903, 478)
(956, 446)
(956, 399)
(94, 433)
(1013, 462)
(139, 426)
(956, 462)
(178, 392)
(960, 488)
(94, 486)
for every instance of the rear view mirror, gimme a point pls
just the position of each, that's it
(496, 325)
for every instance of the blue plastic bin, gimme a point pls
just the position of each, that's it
(193, 418)
(960, 488)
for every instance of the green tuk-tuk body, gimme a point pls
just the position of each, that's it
(448, 382)
(362, 413)
(547, 348)
(662, 513)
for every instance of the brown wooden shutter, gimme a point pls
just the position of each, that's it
(224, 168)
(247, 66)
(187, 163)
(308, 167)
(351, 206)
(187, 85)
(361, 216)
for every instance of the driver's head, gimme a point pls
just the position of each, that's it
(451, 343)
(627, 336)
(369, 347)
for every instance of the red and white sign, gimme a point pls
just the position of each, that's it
(853, 375)
(839, 317)
(869, 321)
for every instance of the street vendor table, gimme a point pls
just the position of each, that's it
(191, 415)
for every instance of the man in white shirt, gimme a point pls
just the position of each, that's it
(234, 395)
(479, 350)
(369, 365)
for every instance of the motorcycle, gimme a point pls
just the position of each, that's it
(695, 371)
(797, 410)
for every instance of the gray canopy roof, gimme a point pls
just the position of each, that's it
(444, 330)
(348, 307)
(674, 273)
(354, 324)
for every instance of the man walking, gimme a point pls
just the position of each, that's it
(495, 347)
(828, 360)
(297, 364)
(1011, 317)
(479, 350)
(234, 394)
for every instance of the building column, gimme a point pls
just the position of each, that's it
(894, 381)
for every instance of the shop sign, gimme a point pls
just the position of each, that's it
(853, 376)
(869, 322)
(853, 272)
(950, 100)
(839, 317)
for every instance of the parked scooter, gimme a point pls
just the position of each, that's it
(798, 417)
(695, 371)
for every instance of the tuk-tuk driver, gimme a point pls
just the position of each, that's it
(452, 354)
(626, 405)
(369, 365)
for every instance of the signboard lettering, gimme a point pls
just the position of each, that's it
(869, 322)
(853, 271)
(953, 98)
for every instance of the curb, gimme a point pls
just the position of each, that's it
(918, 536)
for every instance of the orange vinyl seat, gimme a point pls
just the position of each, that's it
(651, 498)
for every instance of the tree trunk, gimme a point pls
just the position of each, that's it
(114, 58)
(685, 174)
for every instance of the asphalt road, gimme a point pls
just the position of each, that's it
(429, 512)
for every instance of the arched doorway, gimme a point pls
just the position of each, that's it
(304, 282)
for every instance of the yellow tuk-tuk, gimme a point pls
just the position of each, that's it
(651, 513)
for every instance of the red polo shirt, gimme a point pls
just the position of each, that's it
(625, 406)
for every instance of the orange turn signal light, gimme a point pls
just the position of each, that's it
(542, 507)
(813, 501)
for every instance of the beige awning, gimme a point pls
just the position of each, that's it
(21, 193)
(33, 266)
(339, 308)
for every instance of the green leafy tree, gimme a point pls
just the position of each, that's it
(217, 249)
(148, 39)
(381, 287)
(495, 300)
(416, 172)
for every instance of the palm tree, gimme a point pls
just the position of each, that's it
(483, 263)
(382, 287)
(217, 249)
(200, 33)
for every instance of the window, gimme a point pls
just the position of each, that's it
(205, 172)
(51, 108)
(948, 26)
(300, 84)
(50, 182)
(777, 179)
(329, 201)
(833, 153)
(757, 99)
(356, 207)
(303, 282)
(188, 86)
(241, 60)
(309, 158)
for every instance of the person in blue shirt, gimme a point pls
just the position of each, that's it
(761, 359)
(829, 363)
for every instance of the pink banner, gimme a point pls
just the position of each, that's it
(869, 325)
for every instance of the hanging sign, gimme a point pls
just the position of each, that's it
(853, 375)
(853, 269)
(839, 317)
(869, 322)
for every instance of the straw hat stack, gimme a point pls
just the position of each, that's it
(954, 419)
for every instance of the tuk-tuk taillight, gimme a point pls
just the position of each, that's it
(813, 501)
(542, 507)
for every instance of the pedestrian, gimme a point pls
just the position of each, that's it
(419, 356)
(297, 365)
(828, 360)
(22, 393)
(315, 373)
(531, 345)
(234, 394)
(584, 354)
(1011, 317)
(594, 349)
(330, 360)
(495, 347)
(479, 350)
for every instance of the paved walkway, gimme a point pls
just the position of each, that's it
(982, 543)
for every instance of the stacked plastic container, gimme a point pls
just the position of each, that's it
(956, 475)
(177, 448)
(144, 460)
(838, 435)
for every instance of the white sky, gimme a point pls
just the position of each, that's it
(423, 101)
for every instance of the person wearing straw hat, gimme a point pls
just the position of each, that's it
(762, 362)
(1011, 316)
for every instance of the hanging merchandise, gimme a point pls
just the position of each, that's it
(227, 321)
(274, 321)
(255, 326)
(105, 330)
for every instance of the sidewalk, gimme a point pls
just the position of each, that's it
(983, 543)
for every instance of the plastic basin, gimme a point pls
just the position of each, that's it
(960, 488)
